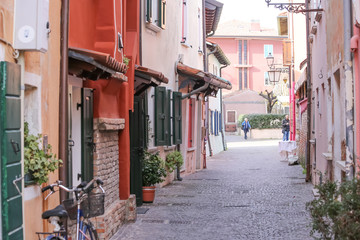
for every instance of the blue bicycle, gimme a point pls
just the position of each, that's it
(87, 203)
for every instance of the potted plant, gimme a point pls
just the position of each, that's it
(153, 172)
(38, 162)
(174, 160)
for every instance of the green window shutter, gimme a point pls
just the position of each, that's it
(162, 14)
(87, 131)
(168, 118)
(149, 11)
(10, 151)
(160, 116)
(177, 123)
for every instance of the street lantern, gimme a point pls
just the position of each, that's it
(274, 75)
(270, 61)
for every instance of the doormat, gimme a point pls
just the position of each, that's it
(141, 210)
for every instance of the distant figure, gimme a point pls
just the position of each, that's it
(286, 128)
(245, 126)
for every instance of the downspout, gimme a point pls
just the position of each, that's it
(63, 96)
(206, 121)
(308, 83)
(200, 89)
(222, 114)
(349, 102)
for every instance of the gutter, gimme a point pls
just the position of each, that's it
(63, 95)
(206, 85)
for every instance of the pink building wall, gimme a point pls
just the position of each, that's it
(256, 61)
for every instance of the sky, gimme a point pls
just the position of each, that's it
(247, 10)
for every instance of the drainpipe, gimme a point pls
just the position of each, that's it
(222, 114)
(349, 102)
(308, 83)
(205, 70)
(63, 98)
(200, 89)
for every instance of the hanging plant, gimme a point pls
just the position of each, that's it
(39, 163)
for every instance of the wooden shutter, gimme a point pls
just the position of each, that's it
(87, 131)
(211, 122)
(220, 122)
(177, 136)
(216, 122)
(287, 53)
(10, 151)
(162, 14)
(190, 124)
(168, 118)
(149, 11)
(160, 116)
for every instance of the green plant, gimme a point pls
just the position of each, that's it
(262, 121)
(336, 212)
(174, 160)
(38, 162)
(126, 60)
(153, 169)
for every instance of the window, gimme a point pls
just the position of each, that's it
(240, 79)
(245, 52)
(266, 79)
(240, 51)
(200, 31)
(184, 34)
(156, 13)
(245, 78)
(268, 49)
(230, 116)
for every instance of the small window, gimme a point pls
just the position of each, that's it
(231, 116)
(266, 79)
(156, 12)
(184, 34)
(268, 49)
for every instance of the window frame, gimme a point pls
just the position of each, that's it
(158, 22)
(184, 23)
(266, 50)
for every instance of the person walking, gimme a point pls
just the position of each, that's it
(245, 126)
(286, 128)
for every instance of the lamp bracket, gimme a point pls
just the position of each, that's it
(293, 7)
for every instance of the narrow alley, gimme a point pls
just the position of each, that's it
(246, 192)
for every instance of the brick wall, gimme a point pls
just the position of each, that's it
(302, 137)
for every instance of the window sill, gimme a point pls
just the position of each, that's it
(341, 165)
(185, 44)
(192, 149)
(153, 27)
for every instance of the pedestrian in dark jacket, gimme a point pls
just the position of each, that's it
(245, 126)
(286, 128)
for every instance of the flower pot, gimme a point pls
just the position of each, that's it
(148, 194)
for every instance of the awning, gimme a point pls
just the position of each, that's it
(200, 81)
(85, 63)
(213, 11)
(302, 79)
(145, 78)
(218, 52)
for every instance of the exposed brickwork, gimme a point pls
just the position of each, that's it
(302, 137)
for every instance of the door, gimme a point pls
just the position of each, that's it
(87, 132)
(10, 151)
(137, 145)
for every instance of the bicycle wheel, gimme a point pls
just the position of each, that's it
(90, 232)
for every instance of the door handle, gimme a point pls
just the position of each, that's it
(15, 146)
(17, 179)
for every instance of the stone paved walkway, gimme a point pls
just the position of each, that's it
(245, 193)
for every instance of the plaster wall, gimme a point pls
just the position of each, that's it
(322, 94)
(161, 49)
(215, 104)
(256, 60)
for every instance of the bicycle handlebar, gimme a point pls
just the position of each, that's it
(84, 186)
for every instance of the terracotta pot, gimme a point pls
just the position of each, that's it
(148, 194)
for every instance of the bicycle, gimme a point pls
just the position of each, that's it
(87, 204)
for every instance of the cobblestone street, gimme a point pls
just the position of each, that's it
(245, 193)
